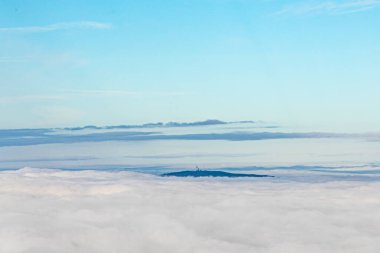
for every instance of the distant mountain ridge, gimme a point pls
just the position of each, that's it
(209, 122)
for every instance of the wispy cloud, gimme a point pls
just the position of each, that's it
(96, 94)
(101, 93)
(329, 7)
(58, 26)
(121, 93)
(15, 59)
(30, 98)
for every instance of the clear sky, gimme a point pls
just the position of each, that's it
(69, 62)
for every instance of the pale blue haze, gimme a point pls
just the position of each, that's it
(70, 63)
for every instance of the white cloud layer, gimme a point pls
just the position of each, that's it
(58, 26)
(88, 212)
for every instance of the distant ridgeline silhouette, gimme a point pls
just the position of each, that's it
(208, 173)
(209, 122)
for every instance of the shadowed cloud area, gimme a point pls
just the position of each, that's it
(40, 137)
(153, 131)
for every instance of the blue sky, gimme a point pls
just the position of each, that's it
(66, 63)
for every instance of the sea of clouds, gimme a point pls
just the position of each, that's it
(98, 211)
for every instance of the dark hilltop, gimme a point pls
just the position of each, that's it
(207, 173)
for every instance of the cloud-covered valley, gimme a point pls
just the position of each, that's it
(92, 211)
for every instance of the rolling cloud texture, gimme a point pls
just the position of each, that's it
(90, 211)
